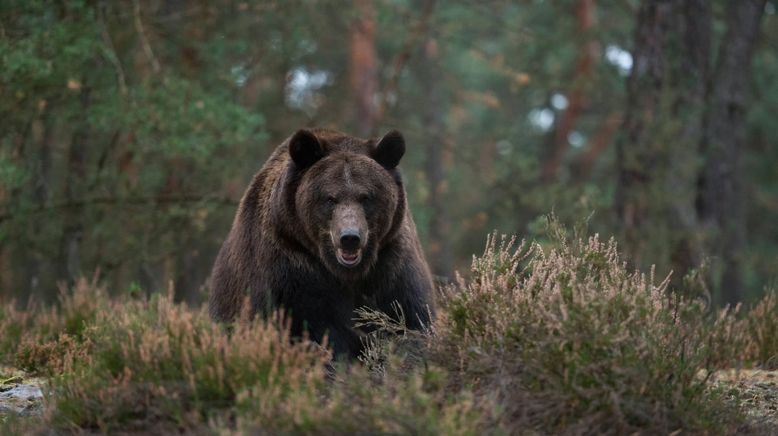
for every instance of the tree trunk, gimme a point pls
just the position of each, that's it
(685, 245)
(720, 200)
(42, 193)
(364, 69)
(635, 153)
(439, 248)
(69, 261)
(656, 156)
(603, 137)
(576, 98)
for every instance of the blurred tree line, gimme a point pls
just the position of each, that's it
(129, 129)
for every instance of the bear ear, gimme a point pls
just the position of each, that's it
(390, 149)
(305, 149)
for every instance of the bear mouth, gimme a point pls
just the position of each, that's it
(348, 259)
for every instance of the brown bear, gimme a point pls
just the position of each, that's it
(323, 229)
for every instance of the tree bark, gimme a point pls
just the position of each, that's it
(37, 263)
(364, 69)
(656, 157)
(73, 231)
(582, 168)
(439, 248)
(694, 65)
(577, 96)
(720, 199)
(635, 157)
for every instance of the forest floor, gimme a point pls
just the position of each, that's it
(756, 389)
(22, 394)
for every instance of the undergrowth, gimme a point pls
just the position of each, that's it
(560, 339)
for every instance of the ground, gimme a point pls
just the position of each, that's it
(758, 391)
(19, 393)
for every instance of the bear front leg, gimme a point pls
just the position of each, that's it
(412, 291)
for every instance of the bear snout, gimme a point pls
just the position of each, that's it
(348, 249)
(349, 228)
(349, 235)
(349, 239)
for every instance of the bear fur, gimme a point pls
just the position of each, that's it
(323, 229)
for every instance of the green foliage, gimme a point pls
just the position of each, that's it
(137, 160)
(141, 126)
(177, 118)
(44, 49)
(11, 174)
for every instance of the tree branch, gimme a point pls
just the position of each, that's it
(582, 168)
(577, 96)
(419, 31)
(143, 39)
(121, 201)
(112, 56)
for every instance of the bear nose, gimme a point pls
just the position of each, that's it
(349, 239)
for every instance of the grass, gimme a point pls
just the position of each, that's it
(559, 339)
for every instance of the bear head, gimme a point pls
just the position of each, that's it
(349, 199)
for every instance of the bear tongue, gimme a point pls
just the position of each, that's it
(348, 258)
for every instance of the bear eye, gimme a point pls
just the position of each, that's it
(364, 198)
(331, 199)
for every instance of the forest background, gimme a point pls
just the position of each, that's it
(129, 129)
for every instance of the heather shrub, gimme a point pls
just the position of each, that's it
(37, 338)
(12, 325)
(569, 340)
(755, 333)
(728, 338)
(395, 389)
(355, 402)
(156, 362)
(559, 338)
